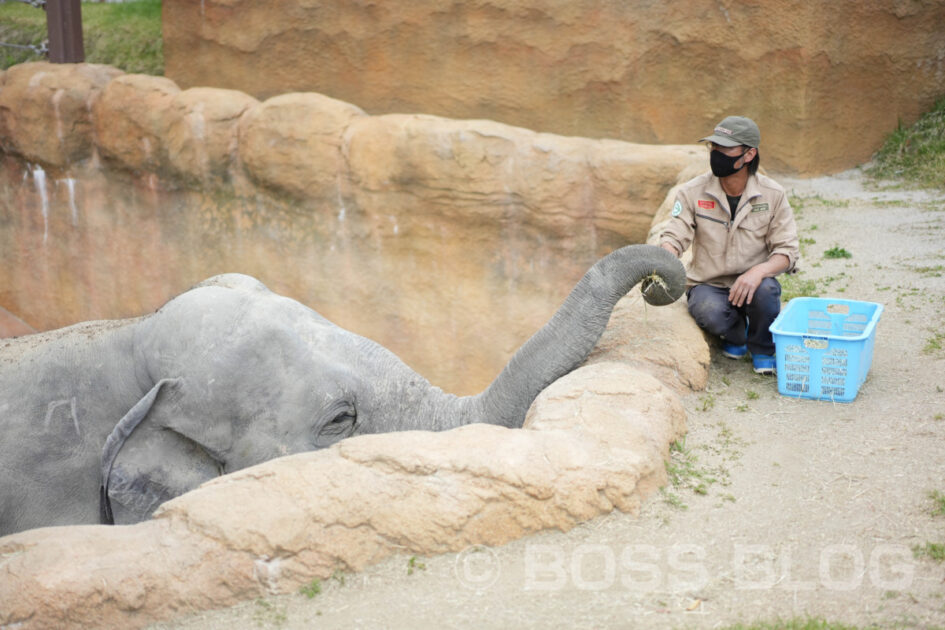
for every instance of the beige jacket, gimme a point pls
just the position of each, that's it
(723, 249)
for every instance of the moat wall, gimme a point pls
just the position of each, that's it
(448, 241)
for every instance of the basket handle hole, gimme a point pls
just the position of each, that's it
(842, 309)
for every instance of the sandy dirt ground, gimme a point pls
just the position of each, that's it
(779, 508)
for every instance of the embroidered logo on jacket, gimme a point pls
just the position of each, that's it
(677, 209)
(708, 205)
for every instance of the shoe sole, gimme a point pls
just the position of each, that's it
(729, 355)
(764, 370)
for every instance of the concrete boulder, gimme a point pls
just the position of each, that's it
(46, 110)
(131, 119)
(485, 173)
(292, 144)
(662, 341)
(201, 133)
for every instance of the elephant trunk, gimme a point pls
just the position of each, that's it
(568, 338)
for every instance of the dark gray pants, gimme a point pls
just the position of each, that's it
(710, 307)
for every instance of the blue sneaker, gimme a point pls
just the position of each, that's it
(763, 363)
(732, 351)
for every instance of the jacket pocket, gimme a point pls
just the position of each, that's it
(756, 221)
(712, 219)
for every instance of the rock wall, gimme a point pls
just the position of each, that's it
(427, 234)
(826, 81)
(594, 441)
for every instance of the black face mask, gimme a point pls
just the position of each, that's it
(724, 165)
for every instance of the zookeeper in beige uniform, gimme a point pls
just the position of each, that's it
(742, 233)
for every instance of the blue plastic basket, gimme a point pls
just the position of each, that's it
(824, 347)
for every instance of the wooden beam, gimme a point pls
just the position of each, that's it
(64, 24)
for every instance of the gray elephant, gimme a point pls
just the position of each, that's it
(104, 421)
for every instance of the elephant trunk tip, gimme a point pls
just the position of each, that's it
(657, 292)
(666, 282)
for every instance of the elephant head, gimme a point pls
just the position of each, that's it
(236, 375)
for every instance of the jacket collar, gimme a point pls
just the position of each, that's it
(752, 190)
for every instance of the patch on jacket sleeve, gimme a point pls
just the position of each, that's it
(677, 209)
(708, 205)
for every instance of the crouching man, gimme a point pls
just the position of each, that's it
(742, 233)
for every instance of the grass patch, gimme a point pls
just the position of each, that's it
(798, 624)
(414, 564)
(311, 589)
(915, 154)
(686, 473)
(932, 551)
(267, 613)
(934, 343)
(793, 286)
(938, 503)
(126, 35)
(837, 252)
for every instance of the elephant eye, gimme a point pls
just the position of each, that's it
(341, 425)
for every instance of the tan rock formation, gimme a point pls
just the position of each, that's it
(201, 135)
(131, 119)
(595, 441)
(662, 341)
(291, 143)
(482, 173)
(826, 81)
(45, 110)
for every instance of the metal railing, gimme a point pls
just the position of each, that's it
(64, 27)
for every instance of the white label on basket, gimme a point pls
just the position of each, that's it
(816, 344)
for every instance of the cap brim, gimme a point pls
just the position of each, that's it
(721, 141)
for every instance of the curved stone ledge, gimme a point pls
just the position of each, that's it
(594, 441)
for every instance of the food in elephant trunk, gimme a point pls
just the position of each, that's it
(104, 421)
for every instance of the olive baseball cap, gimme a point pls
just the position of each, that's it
(735, 130)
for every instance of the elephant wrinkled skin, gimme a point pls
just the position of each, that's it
(104, 421)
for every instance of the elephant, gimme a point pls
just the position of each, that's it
(104, 421)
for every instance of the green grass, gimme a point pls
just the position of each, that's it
(686, 473)
(414, 564)
(934, 343)
(797, 624)
(837, 252)
(311, 589)
(126, 35)
(933, 551)
(794, 285)
(930, 550)
(938, 503)
(915, 154)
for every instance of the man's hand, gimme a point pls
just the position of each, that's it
(743, 290)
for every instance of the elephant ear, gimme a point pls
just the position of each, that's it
(144, 463)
